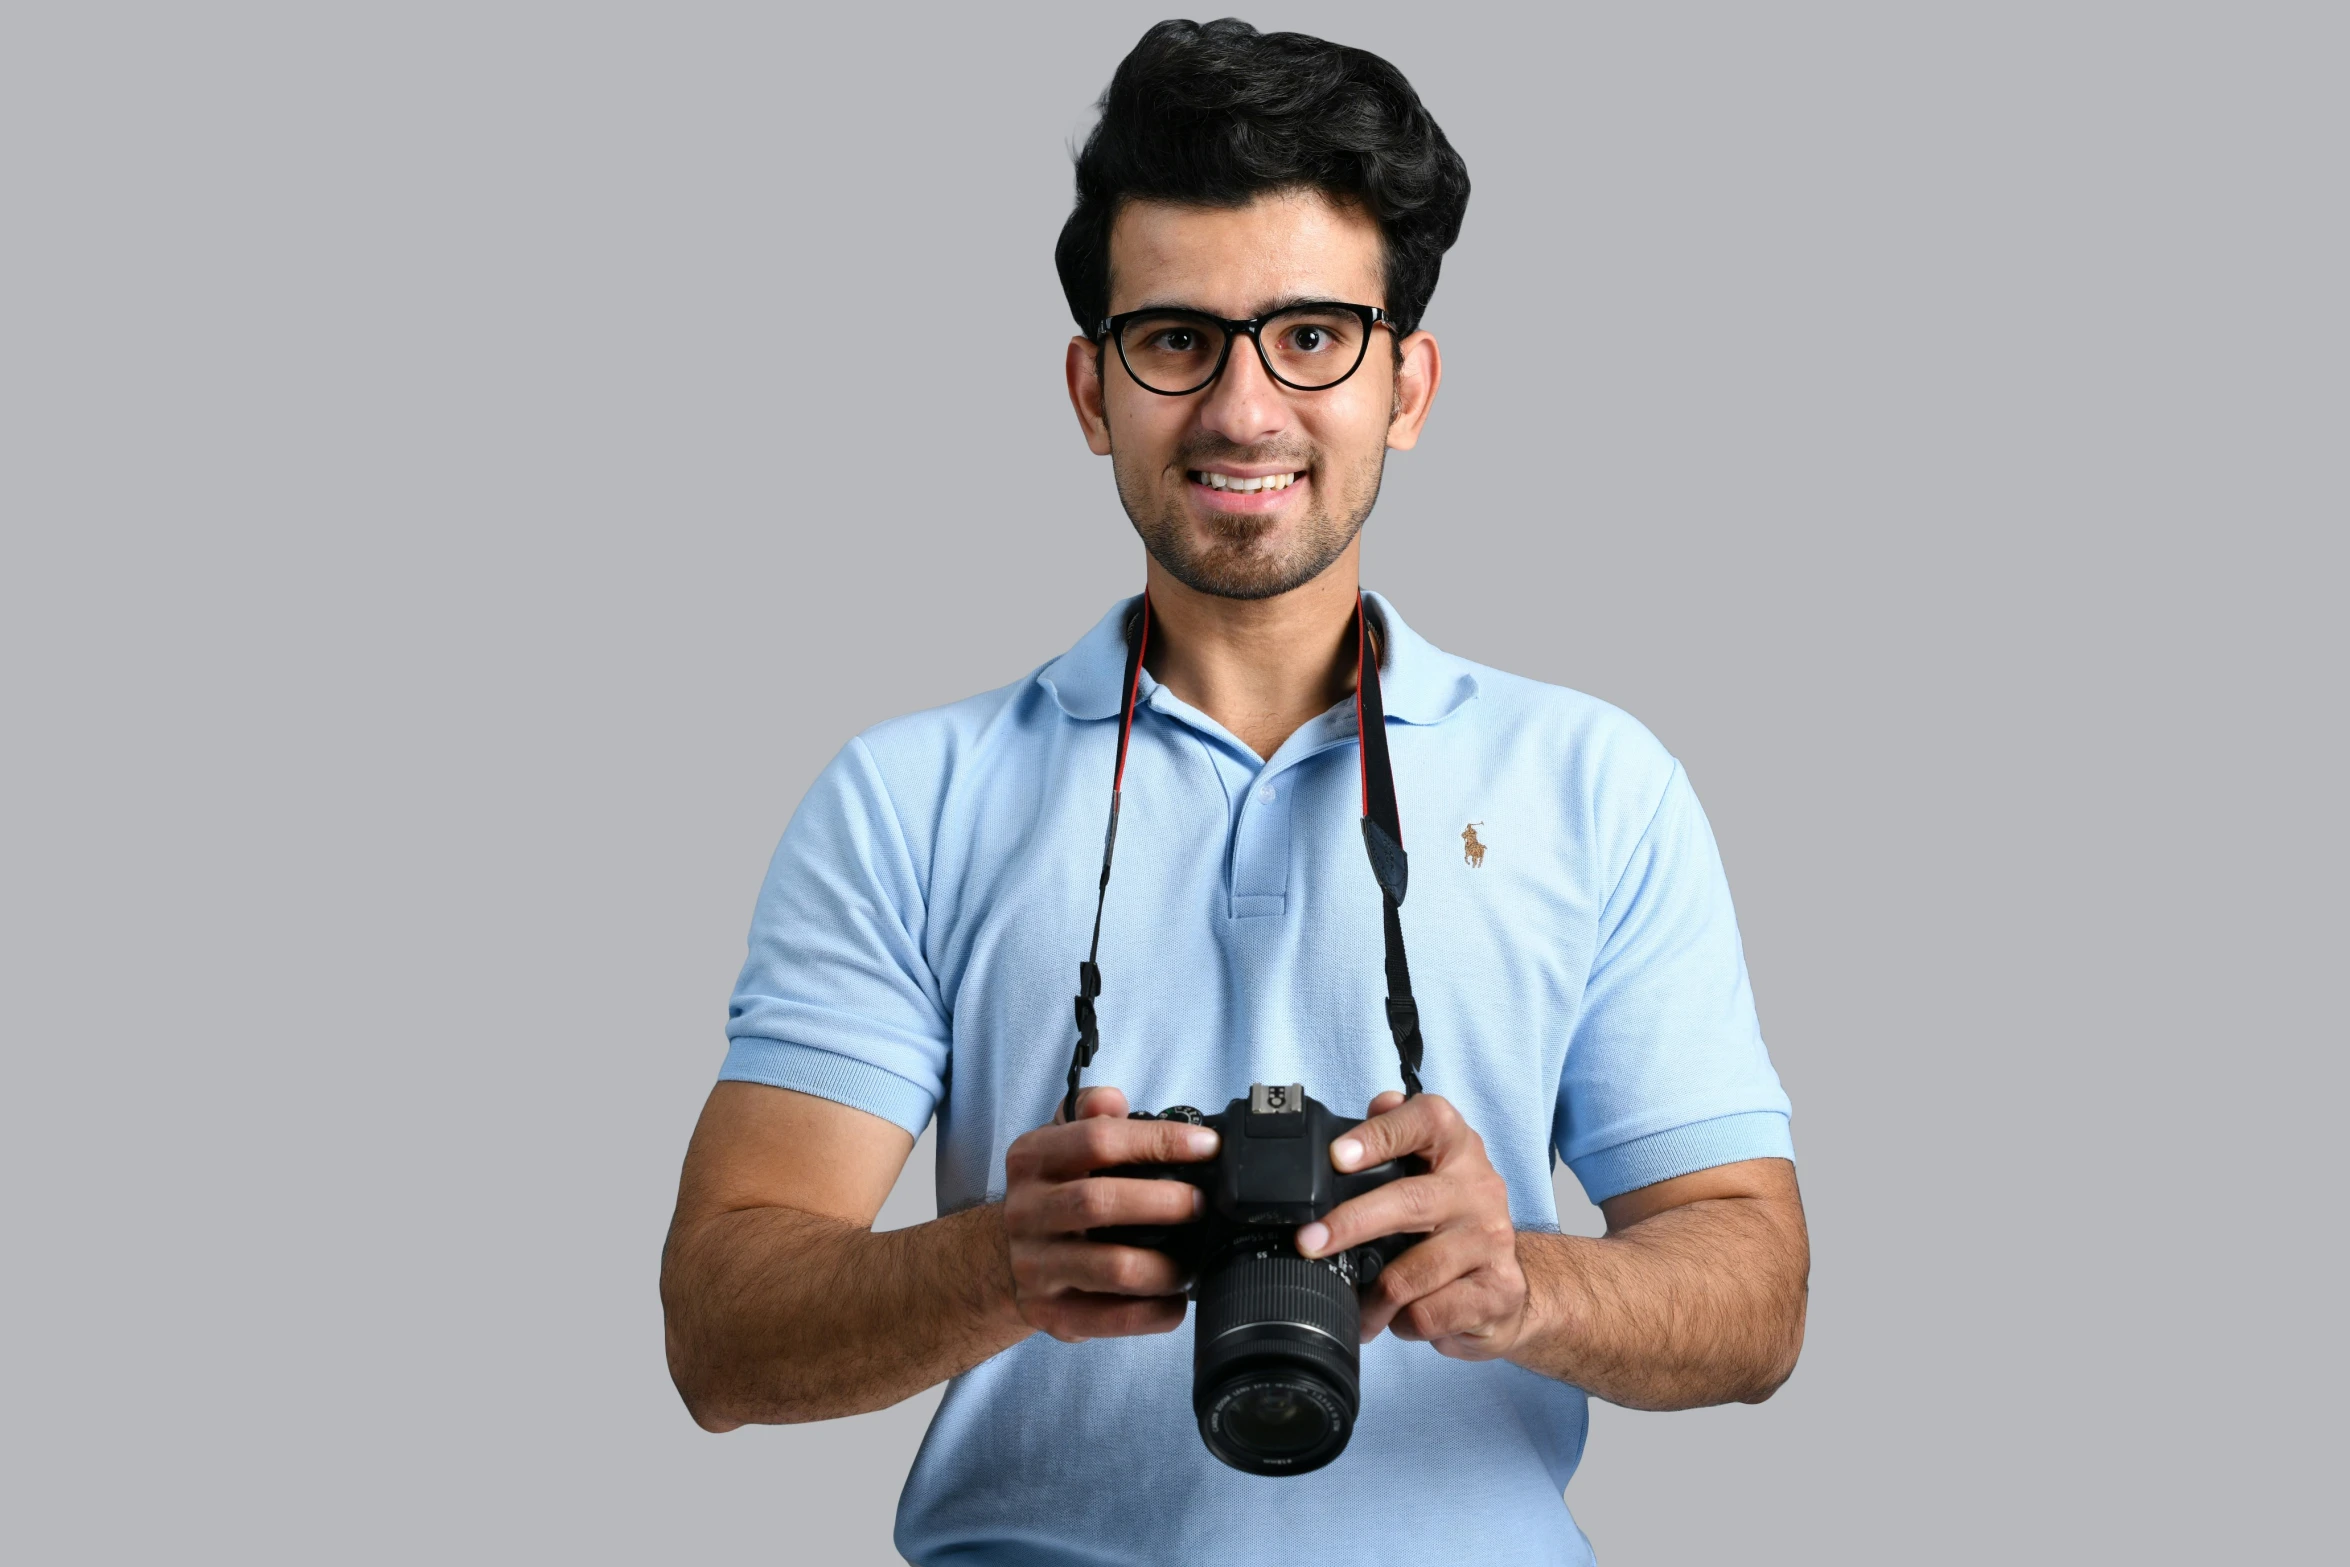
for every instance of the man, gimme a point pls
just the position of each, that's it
(1259, 226)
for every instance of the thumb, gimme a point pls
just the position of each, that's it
(1397, 1126)
(1101, 1101)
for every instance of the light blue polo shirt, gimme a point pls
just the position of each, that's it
(1582, 990)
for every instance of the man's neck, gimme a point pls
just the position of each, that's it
(1259, 667)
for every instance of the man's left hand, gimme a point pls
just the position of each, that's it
(1460, 1289)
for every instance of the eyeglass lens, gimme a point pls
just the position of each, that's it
(1308, 348)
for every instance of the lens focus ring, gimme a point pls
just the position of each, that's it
(1262, 1291)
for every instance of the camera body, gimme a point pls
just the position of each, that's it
(1276, 1340)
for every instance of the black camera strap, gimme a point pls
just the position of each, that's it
(1382, 840)
(1089, 972)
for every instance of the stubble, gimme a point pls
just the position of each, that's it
(1249, 557)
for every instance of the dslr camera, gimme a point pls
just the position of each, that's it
(1275, 1362)
(1276, 1354)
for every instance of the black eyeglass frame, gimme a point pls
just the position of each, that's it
(1114, 328)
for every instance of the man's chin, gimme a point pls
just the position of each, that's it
(1234, 569)
(1241, 585)
(1258, 553)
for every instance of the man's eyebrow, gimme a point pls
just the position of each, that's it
(1284, 302)
(1295, 300)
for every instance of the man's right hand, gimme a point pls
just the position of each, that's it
(1066, 1285)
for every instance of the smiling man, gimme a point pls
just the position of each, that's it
(1241, 489)
(1259, 227)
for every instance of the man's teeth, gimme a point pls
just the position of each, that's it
(1225, 481)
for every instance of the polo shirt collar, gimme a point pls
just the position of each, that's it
(1419, 682)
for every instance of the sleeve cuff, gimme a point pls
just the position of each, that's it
(1701, 1145)
(842, 1079)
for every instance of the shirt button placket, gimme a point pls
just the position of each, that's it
(1260, 861)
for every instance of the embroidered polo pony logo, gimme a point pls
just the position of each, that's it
(1471, 850)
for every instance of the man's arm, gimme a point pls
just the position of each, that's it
(781, 1302)
(782, 1305)
(1694, 1296)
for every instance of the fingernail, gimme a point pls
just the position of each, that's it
(1312, 1239)
(1199, 1202)
(1201, 1141)
(1346, 1153)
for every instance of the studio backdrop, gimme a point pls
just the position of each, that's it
(464, 469)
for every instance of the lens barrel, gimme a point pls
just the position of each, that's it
(1275, 1364)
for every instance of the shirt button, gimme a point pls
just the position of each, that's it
(1267, 795)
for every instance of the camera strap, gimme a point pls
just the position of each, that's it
(1382, 841)
(1089, 973)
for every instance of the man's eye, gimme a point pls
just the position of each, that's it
(1306, 339)
(1177, 340)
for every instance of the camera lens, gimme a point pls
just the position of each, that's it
(1277, 1419)
(1274, 1360)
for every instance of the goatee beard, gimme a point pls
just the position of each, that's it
(1236, 564)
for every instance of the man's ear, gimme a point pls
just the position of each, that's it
(1415, 390)
(1085, 393)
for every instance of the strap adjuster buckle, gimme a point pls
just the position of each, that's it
(1403, 1020)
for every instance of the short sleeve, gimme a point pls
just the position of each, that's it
(1666, 1073)
(836, 998)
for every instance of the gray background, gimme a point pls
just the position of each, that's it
(464, 471)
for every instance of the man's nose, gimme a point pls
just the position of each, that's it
(1245, 405)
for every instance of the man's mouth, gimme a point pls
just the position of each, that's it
(1245, 486)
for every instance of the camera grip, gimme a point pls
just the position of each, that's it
(1183, 1242)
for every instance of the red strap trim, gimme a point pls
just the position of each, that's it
(1133, 692)
(1362, 748)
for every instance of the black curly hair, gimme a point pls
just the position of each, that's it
(1218, 114)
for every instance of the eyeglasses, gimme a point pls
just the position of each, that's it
(1307, 348)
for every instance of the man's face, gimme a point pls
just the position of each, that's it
(1320, 454)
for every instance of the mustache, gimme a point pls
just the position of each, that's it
(1200, 450)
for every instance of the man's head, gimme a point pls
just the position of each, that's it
(1235, 174)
